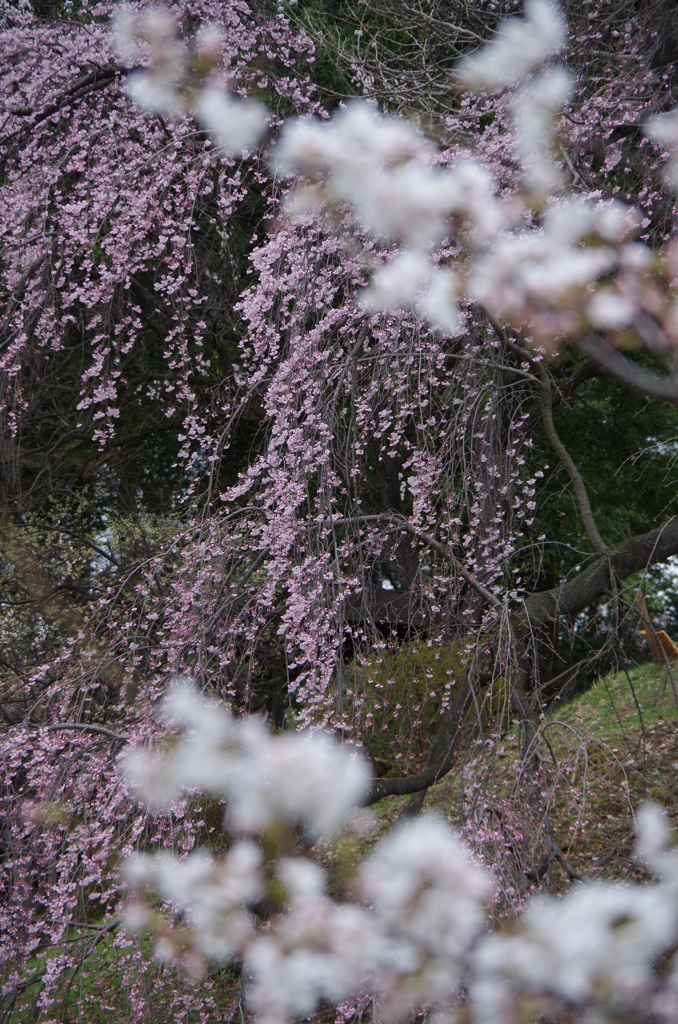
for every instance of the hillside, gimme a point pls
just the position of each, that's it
(601, 754)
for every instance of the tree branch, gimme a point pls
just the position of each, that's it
(401, 524)
(561, 451)
(441, 755)
(633, 555)
(650, 383)
(84, 727)
(97, 79)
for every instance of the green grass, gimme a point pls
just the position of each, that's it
(609, 711)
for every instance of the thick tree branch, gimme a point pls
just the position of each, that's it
(84, 727)
(561, 451)
(578, 593)
(441, 755)
(99, 78)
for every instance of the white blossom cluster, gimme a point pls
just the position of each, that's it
(596, 951)
(213, 893)
(663, 129)
(304, 779)
(167, 86)
(543, 278)
(513, 57)
(412, 927)
(418, 900)
(385, 170)
(428, 900)
(549, 278)
(519, 46)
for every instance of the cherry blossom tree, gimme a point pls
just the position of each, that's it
(335, 341)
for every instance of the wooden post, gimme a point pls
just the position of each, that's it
(658, 641)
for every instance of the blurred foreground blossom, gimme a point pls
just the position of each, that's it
(535, 108)
(429, 900)
(663, 129)
(555, 268)
(151, 36)
(318, 950)
(236, 125)
(519, 46)
(410, 280)
(178, 78)
(214, 894)
(412, 928)
(305, 779)
(594, 950)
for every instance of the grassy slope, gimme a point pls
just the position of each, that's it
(602, 754)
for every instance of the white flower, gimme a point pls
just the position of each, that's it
(300, 778)
(429, 898)
(381, 165)
(303, 778)
(534, 109)
(608, 309)
(204, 757)
(410, 280)
(636, 257)
(305, 146)
(213, 894)
(365, 134)
(154, 91)
(209, 40)
(519, 46)
(411, 203)
(153, 34)
(155, 29)
(663, 129)
(534, 269)
(136, 916)
(317, 950)
(237, 125)
(597, 942)
(124, 23)
(653, 845)
(614, 221)
(573, 219)
(478, 204)
(569, 220)
(396, 284)
(357, 137)
(439, 305)
(148, 775)
(302, 878)
(185, 707)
